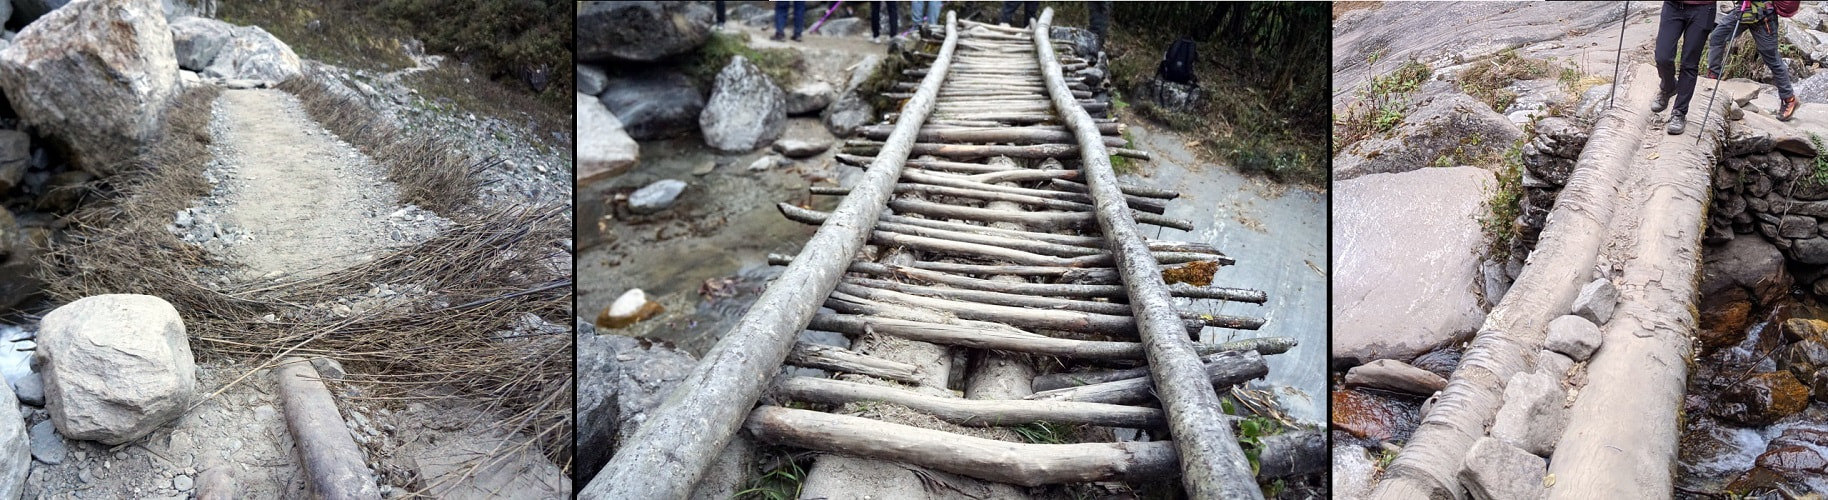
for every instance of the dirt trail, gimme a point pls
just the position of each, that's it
(309, 202)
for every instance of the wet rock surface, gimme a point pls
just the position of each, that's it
(1373, 415)
(1406, 259)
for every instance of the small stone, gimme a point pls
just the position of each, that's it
(1395, 375)
(704, 168)
(631, 307)
(764, 163)
(265, 412)
(30, 390)
(797, 148)
(655, 197)
(1532, 416)
(1553, 363)
(328, 368)
(1596, 301)
(47, 446)
(1574, 336)
(181, 482)
(1495, 470)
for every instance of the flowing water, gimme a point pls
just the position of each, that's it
(1718, 455)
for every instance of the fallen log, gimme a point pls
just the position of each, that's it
(1212, 464)
(1040, 220)
(840, 360)
(1019, 341)
(1043, 289)
(1292, 454)
(334, 466)
(1223, 370)
(969, 412)
(991, 460)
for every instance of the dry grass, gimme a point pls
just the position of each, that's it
(431, 172)
(464, 338)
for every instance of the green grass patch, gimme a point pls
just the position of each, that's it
(1487, 80)
(468, 91)
(1381, 104)
(781, 476)
(1503, 201)
(1044, 433)
(337, 32)
(1820, 176)
(781, 65)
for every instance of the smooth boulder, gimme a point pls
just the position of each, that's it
(197, 40)
(1406, 261)
(95, 75)
(1395, 375)
(115, 367)
(15, 447)
(655, 197)
(640, 31)
(604, 150)
(254, 54)
(654, 104)
(746, 111)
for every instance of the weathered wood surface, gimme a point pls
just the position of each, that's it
(666, 458)
(1211, 461)
(334, 466)
(965, 335)
(1000, 461)
(1222, 369)
(842, 360)
(969, 412)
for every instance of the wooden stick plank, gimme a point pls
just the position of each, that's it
(1222, 370)
(1020, 341)
(970, 412)
(842, 360)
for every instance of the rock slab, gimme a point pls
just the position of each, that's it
(115, 366)
(655, 197)
(604, 150)
(1406, 261)
(639, 31)
(110, 59)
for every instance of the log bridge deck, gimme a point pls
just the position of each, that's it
(1632, 212)
(1012, 240)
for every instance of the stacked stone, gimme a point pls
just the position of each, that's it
(1767, 184)
(1548, 160)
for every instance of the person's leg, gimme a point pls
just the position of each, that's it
(1765, 34)
(914, 12)
(1724, 31)
(1669, 29)
(1028, 11)
(720, 12)
(1694, 38)
(780, 19)
(799, 18)
(875, 19)
(1009, 13)
(894, 18)
(1100, 20)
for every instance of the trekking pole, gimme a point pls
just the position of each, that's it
(1726, 60)
(834, 8)
(1618, 55)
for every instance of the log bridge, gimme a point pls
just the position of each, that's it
(1631, 215)
(989, 228)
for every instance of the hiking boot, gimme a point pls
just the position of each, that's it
(778, 36)
(1713, 75)
(1661, 103)
(796, 37)
(1787, 109)
(1677, 123)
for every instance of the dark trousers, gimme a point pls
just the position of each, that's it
(1764, 33)
(799, 17)
(720, 12)
(1100, 22)
(876, 19)
(1028, 12)
(1689, 23)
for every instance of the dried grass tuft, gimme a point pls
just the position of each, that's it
(461, 333)
(430, 172)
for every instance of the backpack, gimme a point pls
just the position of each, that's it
(1177, 65)
(1751, 12)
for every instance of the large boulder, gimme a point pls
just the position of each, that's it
(197, 40)
(654, 104)
(746, 111)
(1443, 122)
(604, 150)
(115, 366)
(850, 112)
(1750, 264)
(254, 54)
(640, 31)
(15, 448)
(1406, 261)
(96, 76)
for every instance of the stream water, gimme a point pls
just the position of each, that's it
(1741, 436)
